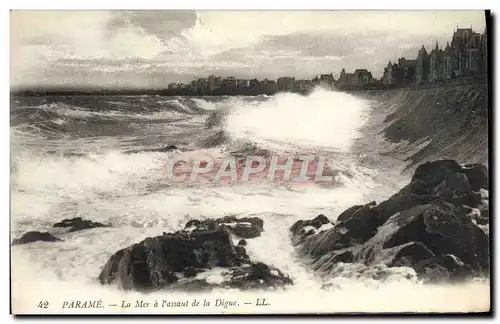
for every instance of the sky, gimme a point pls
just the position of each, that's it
(149, 49)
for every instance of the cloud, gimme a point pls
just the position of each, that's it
(128, 47)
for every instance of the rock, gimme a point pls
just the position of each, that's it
(157, 263)
(457, 269)
(472, 200)
(164, 149)
(345, 257)
(246, 227)
(363, 222)
(168, 148)
(399, 202)
(257, 276)
(242, 242)
(425, 226)
(410, 254)
(434, 172)
(245, 230)
(441, 228)
(455, 185)
(35, 236)
(191, 272)
(317, 222)
(241, 251)
(483, 220)
(477, 174)
(350, 211)
(77, 224)
(195, 285)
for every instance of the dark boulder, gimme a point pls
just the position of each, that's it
(168, 148)
(257, 276)
(363, 222)
(169, 260)
(429, 225)
(441, 228)
(317, 222)
(455, 185)
(434, 172)
(77, 224)
(242, 242)
(352, 210)
(472, 200)
(477, 174)
(35, 236)
(245, 227)
(399, 202)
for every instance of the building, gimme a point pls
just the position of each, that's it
(243, 83)
(473, 54)
(213, 83)
(408, 71)
(285, 83)
(268, 86)
(484, 53)
(422, 68)
(303, 85)
(363, 76)
(230, 82)
(394, 75)
(436, 64)
(360, 79)
(387, 76)
(448, 63)
(467, 51)
(326, 80)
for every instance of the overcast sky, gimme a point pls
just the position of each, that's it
(153, 48)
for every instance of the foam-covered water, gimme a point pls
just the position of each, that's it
(74, 160)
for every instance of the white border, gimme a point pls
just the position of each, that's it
(198, 4)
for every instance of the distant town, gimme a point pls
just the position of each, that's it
(464, 58)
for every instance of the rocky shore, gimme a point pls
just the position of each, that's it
(436, 225)
(185, 259)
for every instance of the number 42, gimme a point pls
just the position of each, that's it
(43, 304)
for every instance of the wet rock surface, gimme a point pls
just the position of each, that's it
(187, 259)
(431, 225)
(245, 227)
(35, 236)
(78, 224)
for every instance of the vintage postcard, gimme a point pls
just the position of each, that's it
(249, 162)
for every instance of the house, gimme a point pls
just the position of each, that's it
(213, 83)
(469, 51)
(408, 71)
(484, 53)
(448, 63)
(394, 75)
(422, 68)
(243, 83)
(473, 54)
(363, 76)
(436, 64)
(230, 82)
(268, 86)
(360, 79)
(326, 80)
(387, 77)
(285, 83)
(303, 85)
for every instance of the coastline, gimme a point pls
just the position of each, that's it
(68, 91)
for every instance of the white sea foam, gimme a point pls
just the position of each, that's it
(323, 119)
(132, 192)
